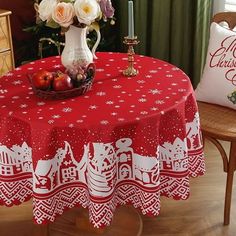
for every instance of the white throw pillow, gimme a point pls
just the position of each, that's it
(218, 82)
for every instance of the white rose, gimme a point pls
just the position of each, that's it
(87, 10)
(45, 9)
(63, 14)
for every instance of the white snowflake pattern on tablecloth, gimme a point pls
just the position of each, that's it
(101, 93)
(155, 91)
(181, 90)
(169, 76)
(2, 91)
(148, 76)
(23, 105)
(67, 109)
(93, 107)
(51, 122)
(40, 103)
(141, 81)
(100, 70)
(154, 109)
(160, 102)
(57, 66)
(56, 116)
(142, 100)
(104, 122)
(109, 102)
(17, 82)
(153, 71)
(143, 112)
(175, 69)
(117, 86)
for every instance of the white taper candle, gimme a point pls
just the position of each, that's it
(130, 19)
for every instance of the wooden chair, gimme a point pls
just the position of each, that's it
(219, 123)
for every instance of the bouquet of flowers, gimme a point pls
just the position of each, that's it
(75, 18)
(63, 13)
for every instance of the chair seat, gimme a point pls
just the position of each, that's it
(218, 121)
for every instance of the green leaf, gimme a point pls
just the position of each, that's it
(30, 29)
(52, 24)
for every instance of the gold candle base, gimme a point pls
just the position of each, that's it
(130, 71)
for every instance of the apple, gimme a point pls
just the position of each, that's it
(42, 79)
(62, 82)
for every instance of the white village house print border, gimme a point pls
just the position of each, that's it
(102, 167)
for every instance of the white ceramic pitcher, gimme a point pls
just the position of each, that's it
(76, 51)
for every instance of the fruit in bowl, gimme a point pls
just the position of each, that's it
(42, 79)
(62, 82)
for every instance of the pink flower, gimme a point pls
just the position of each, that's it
(63, 14)
(107, 8)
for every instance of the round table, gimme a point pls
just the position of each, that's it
(129, 140)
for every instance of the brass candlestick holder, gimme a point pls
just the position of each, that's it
(131, 42)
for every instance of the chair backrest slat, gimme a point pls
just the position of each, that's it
(228, 17)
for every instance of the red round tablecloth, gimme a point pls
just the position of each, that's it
(127, 141)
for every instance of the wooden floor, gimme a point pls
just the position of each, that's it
(200, 215)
